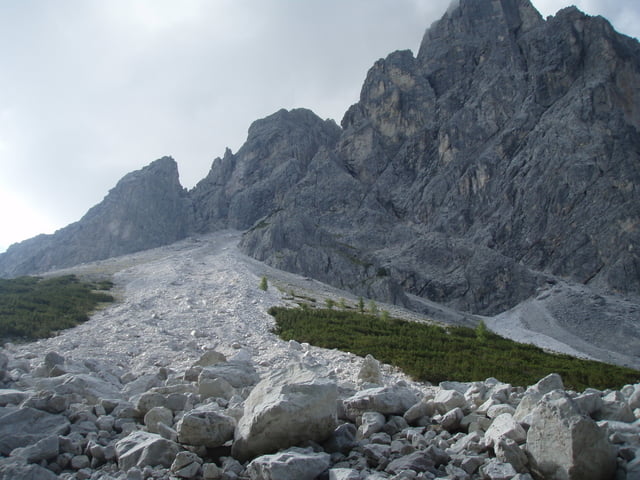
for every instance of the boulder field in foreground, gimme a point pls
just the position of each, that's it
(82, 421)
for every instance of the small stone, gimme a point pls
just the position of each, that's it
(372, 422)
(210, 471)
(80, 461)
(496, 470)
(158, 415)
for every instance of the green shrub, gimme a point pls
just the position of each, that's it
(482, 331)
(433, 353)
(264, 285)
(361, 305)
(373, 308)
(33, 307)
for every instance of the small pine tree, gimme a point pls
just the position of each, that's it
(482, 332)
(373, 308)
(342, 303)
(384, 315)
(264, 285)
(361, 305)
(330, 303)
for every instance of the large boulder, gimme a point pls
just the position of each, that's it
(504, 426)
(81, 387)
(238, 374)
(565, 444)
(292, 464)
(287, 408)
(14, 469)
(26, 426)
(391, 400)
(534, 393)
(11, 396)
(44, 449)
(139, 449)
(205, 427)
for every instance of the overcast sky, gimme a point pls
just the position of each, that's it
(93, 89)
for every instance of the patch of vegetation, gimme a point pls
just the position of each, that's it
(264, 284)
(434, 354)
(34, 307)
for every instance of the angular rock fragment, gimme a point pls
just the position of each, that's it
(142, 448)
(392, 400)
(26, 426)
(208, 428)
(565, 444)
(505, 426)
(291, 464)
(288, 407)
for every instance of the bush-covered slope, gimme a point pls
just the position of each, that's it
(433, 353)
(33, 307)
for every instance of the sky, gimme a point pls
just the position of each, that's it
(93, 89)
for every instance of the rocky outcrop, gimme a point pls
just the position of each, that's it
(242, 188)
(146, 209)
(298, 422)
(507, 149)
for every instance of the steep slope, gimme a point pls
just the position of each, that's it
(147, 208)
(505, 152)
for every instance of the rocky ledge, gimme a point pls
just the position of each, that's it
(221, 419)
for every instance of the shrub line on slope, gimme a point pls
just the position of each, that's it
(35, 307)
(433, 353)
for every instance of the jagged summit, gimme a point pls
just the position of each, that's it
(147, 208)
(503, 156)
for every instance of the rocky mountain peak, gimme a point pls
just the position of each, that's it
(502, 156)
(244, 187)
(147, 208)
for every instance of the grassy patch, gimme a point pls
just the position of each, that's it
(434, 354)
(34, 307)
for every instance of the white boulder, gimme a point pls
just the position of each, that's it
(370, 371)
(564, 444)
(156, 416)
(446, 400)
(208, 428)
(504, 426)
(288, 407)
(139, 449)
(391, 400)
(291, 464)
(534, 393)
(238, 374)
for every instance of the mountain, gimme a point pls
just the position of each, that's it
(502, 158)
(146, 209)
(505, 152)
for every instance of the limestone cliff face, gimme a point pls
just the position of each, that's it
(146, 209)
(506, 150)
(245, 187)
